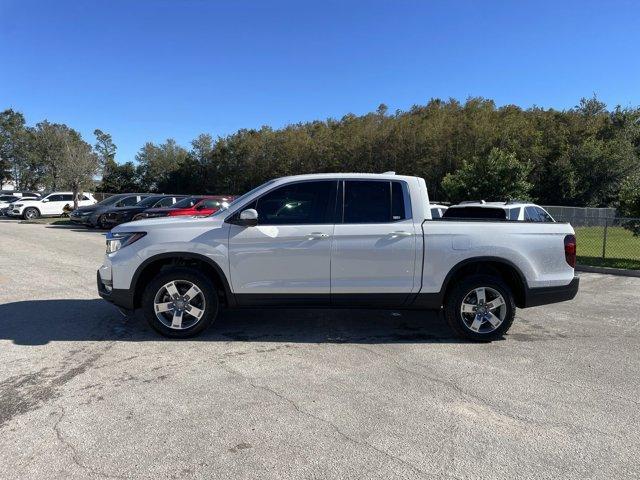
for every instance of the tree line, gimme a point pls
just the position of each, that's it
(584, 156)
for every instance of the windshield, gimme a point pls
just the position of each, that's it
(186, 202)
(241, 198)
(149, 201)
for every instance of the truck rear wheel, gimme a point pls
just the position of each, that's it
(480, 308)
(180, 303)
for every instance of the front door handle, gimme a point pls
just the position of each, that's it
(318, 235)
(401, 233)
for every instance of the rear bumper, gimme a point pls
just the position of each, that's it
(119, 297)
(546, 295)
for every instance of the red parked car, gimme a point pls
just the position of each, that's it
(200, 205)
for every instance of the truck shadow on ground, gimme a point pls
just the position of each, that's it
(39, 322)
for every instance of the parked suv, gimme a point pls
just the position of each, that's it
(337, 240)
(6, 200)
(93, 215)
(198, 205)
(513, 210)
(53, 205)
(117, 215)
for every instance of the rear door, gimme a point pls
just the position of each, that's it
(374, 245)
(286, 258)
(55, 204)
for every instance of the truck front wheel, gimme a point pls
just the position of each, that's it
(180, 303)
(480, 308)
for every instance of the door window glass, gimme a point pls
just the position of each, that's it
(55, 198)
(514, 213)
(297, 204)
(164, 202)
(128, 201)
(543, 216)
(211, 204)
(397, 202)
(367, 202)
(67, 198)
(435, 213)
(531, 214)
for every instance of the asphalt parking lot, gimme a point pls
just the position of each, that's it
(315, 394)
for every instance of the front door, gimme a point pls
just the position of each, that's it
(374, 254)
(286, 258)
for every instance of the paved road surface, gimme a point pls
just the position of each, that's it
(85, 393)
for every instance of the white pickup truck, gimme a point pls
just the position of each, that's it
(337, 240)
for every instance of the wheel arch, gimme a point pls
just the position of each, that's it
(506, 270)
(154, 265)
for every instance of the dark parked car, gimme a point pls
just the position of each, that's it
(93, 215)
(200, 205)
(116, 216)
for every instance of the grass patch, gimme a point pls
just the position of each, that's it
(622, 249)
(610, 262)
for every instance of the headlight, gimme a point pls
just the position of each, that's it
(18, 205)
(116, 241)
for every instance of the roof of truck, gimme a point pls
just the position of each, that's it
(373, 176)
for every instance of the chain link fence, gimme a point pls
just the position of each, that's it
(603, 238)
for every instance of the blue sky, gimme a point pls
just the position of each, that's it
(148, 70)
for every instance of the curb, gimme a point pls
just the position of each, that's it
(610, 271)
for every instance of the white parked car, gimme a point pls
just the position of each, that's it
(52, 205)
(512, 210)
(337, 240)
(8, 199)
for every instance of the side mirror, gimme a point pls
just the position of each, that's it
(248, 218)
(45, 199)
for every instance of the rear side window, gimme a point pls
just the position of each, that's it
(303, 203)
(514, 213)
(67, 198)
(367, 202)
(435, 213)
(55, 198)
(374, 202)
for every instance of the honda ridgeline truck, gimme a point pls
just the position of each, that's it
(337, 240)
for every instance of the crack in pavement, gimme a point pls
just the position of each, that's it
(335, 428)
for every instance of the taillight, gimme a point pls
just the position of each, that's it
(570, 250)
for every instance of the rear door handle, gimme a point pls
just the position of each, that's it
(401, 233)
(318, 235)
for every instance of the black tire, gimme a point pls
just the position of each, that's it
(193, 276)
(453, 305)
(100, 223)
(30, 213)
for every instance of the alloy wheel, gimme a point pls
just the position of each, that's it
(483, 309)
(179, 304)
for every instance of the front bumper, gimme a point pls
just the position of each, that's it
(546, 295)
(119, 297)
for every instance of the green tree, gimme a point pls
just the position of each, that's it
(497, 176)
(157, 162)
(120, 179)
(77, 166)
(630, 202)
(14, 139)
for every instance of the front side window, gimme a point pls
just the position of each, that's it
(128, 201)
(302, 203)
(165, 202)
(531, 215)
(211, 204)
(373, 201)
(514, 213)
